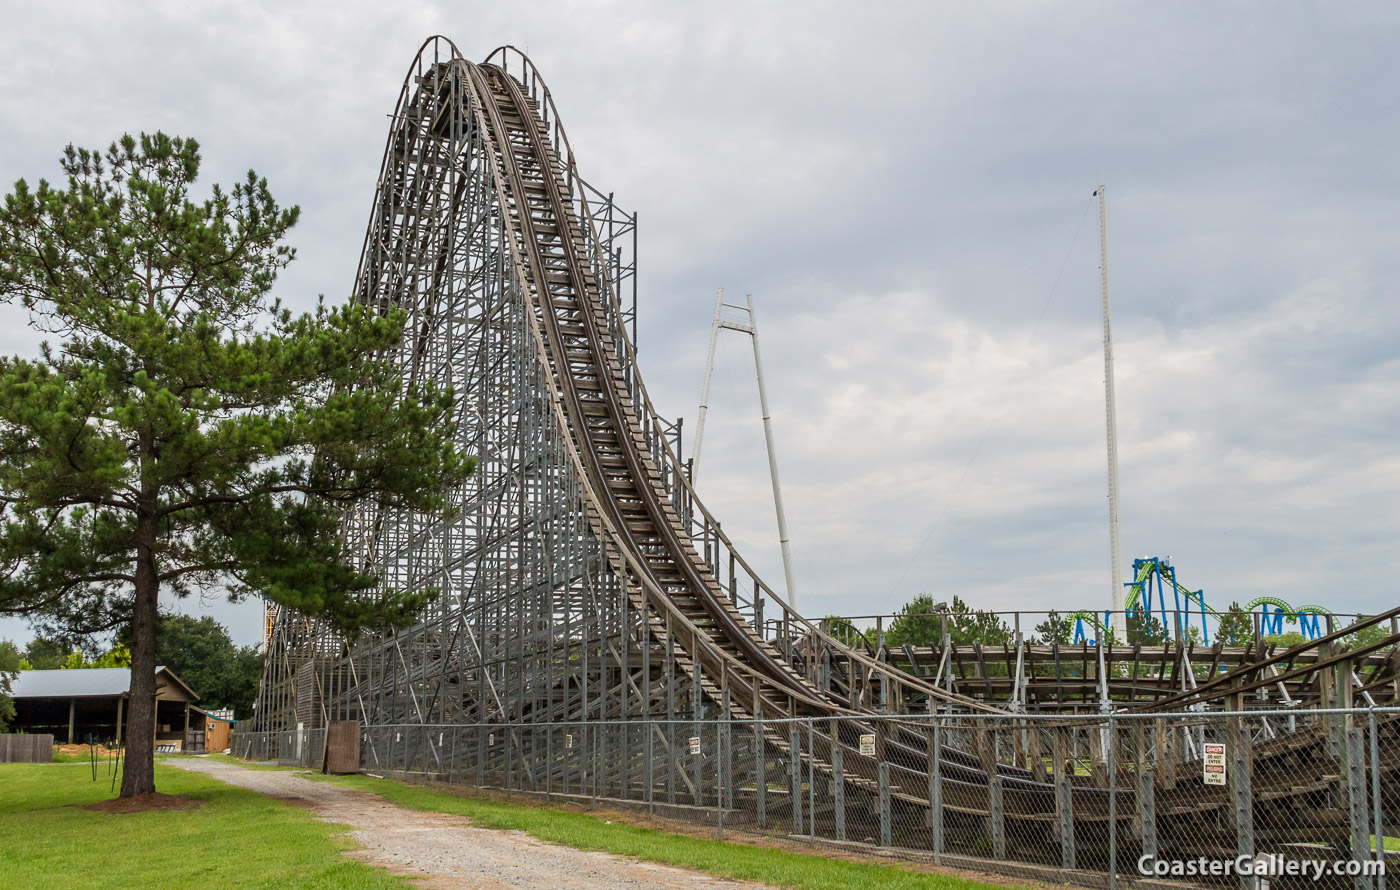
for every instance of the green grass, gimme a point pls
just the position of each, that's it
(1391, 843)
(238, 839)
(83, 756)
(224, 758)
(589, 832)
(75, 758)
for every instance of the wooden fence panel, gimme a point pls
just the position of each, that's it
(343, 747)
(26, 748)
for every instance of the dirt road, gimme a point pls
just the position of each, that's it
(447, 852)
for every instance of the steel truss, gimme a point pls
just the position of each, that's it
(577, 577)
(577, 580)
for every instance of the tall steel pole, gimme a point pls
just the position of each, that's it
(751, 328)
(788, 575)
(705, 392)
(1120, 622)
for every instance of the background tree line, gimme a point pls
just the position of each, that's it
(922, 621)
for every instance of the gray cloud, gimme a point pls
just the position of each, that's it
(900, 185)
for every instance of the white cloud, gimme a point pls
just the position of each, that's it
(900, 186)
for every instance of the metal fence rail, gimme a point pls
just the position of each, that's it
(1112, 799)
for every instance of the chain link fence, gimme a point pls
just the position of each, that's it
(1253, 799)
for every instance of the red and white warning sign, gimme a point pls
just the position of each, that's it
(694, 744)
(1214, 764)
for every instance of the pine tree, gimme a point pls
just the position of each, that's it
(1056, 628)
(1235, 628)
(921, 622)
(11, 663)
(187, 432)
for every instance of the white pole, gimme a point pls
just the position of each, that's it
(1120, 622)
(705, 392)
(783, 541)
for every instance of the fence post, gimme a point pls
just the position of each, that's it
(1356, 805)
(1378, 829)
(997, 816)
(884, 803)
(719, 775)
(507, 756)
(760, 770)
(726, 766)
(671, 758)
(480, 755)
(935, 790)
(795, 769)
(1239, 780)
(1146, 793)
(838, 783)
(1064, 797)
(572, 746)
(454, 773)
(697, 705)
(650, 729)
(1112, 803)
(812, 778)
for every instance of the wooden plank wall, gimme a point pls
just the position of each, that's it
(26, 748)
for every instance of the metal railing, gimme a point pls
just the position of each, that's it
(1115, 798)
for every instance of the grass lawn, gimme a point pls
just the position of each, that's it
(237, 839)
(224, 758)
(1392, 844)
(589, 832)
(74, 758)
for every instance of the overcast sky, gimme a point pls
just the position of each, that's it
(906, 190)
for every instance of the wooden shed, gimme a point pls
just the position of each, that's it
(218, 728)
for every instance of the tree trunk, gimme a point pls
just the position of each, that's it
(139, 776)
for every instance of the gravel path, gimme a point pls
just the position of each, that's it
(446, 852)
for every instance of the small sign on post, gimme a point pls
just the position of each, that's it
(695, 744)
(867, 744)
(1214, 764)
(568, 741)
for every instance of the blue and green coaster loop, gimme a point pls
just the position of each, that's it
(1189, 608)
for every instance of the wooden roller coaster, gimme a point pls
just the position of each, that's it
(581, 587)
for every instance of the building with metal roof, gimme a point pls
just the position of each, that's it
(91, 703)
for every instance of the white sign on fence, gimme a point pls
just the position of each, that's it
(1214, 764)
(568, 741)
(695, 744)
(867, 744)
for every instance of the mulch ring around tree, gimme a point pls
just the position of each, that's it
(144, 803)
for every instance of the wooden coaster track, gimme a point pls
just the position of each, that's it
(582, 580)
